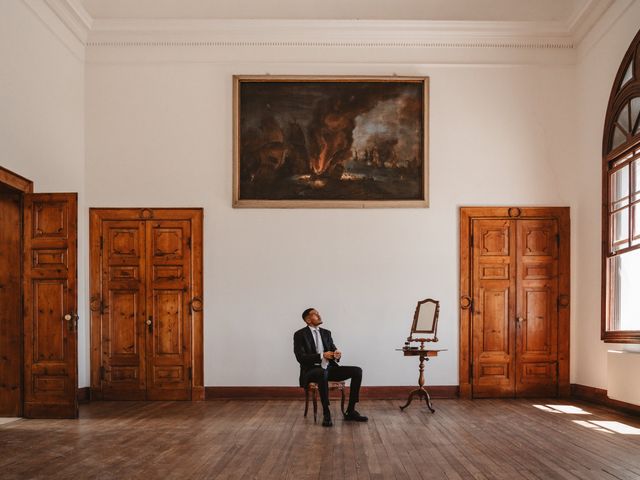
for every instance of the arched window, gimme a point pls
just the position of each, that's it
(621, 204)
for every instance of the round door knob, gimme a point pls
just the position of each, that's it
(148, 322)
(68, 317)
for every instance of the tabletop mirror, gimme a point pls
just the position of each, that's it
(425, 322)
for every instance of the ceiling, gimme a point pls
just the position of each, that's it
(539, 11)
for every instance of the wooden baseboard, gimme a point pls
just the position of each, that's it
(296, 393)
(83, 395)
(599, 397)
(292, 393)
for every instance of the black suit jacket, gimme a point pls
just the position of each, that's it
(305, 350)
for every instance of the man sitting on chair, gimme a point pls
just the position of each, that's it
(318, 358)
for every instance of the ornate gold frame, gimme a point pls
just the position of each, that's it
(239, 202)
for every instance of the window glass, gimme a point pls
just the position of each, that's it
(635, 182)
(623, 119)
(620, 188)
(628, 74)
(619, 137)
(625, 278)
(635, 113)
(620, 229)
(635, 238)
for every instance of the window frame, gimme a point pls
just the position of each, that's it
(620, 96)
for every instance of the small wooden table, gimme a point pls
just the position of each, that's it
(420, 391)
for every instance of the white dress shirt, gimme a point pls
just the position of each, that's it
(319, 347)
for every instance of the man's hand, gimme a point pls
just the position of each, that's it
(328, 355)
(337, 354)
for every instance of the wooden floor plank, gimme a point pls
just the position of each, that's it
(261, 439)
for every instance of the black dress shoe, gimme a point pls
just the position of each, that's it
(354, 416)
(326, 421)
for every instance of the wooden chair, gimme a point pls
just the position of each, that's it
(313, 388)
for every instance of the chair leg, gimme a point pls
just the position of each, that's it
(342, 400)
(306, 401)
(315, 405)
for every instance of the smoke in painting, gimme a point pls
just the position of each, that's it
(331, 140)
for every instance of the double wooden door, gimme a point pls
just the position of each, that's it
(146, 278)
(517, 307)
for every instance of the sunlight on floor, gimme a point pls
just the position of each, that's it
(618, 427)
(4, 421)
(597, 425)
(562, 409)
(591, 426)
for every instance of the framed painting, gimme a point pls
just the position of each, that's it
(346, 142)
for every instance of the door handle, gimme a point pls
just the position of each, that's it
(149, 323)
(72, 320)
(520, 320)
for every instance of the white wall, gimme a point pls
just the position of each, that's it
(599, 62)
(160, 134)
(42, 119)
(507, 127)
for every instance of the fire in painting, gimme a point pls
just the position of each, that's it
(320, 141)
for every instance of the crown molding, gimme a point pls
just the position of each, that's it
(95, 33)
(67, 19)
(603, 24)
(74, 16)
(335, 33)
(585, 18)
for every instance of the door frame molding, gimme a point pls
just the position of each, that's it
(195, 216)
(20, 185)
(17, 182)
(465, 305)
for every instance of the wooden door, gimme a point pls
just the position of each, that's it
(11, 309)
(169, 294)
(537, 308)
(514, 307)
(50, 305)
(494, 297)
(146, 300)
(123, 309)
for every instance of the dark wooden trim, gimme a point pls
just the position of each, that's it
(95, 394)
(401, 392)
(83, 394)
(604, 249)
(465, 308)
(15, 181)
(297, 393)
(564, 291)
(562, 215)
(618, 98)
(196, 216)
(95, 297)
(11, 295)
(599, 397)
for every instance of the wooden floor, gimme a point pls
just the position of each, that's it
(480, 439)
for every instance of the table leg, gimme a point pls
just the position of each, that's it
(421, 392)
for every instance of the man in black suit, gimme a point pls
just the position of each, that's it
(318, 358)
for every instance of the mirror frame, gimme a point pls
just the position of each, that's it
(435, 319)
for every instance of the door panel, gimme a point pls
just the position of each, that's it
(123, 310)
(493, 341)
(50, 305)
(11, 312)
(537, 315)
(168, 301)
